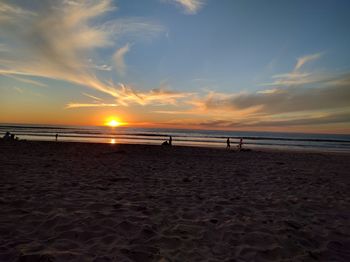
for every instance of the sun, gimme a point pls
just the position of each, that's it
(114, 122)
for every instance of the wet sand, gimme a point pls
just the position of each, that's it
(100, 202)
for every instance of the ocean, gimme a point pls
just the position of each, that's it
(183, 137)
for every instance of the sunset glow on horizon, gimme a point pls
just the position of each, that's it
(195, 64)
(113, 123)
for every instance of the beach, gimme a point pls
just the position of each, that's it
(114, 202)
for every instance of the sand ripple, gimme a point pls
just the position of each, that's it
(86, 202)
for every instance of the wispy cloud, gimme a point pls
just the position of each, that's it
(128, 95)
(324, 119)
(296, 77)
(132, 27)
(25, 80)
(99, 67)
(118, 58)
(268, 91)
(59, 43)
(190, 7)
(93, 97)
(307, 105)
(160, 96)
(305, 59)
(58, 39)
(329, 95)
(84, 105)
(175, 112)
(11, 12)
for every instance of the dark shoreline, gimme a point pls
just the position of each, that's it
(263, 148)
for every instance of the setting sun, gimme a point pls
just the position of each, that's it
(114, 122)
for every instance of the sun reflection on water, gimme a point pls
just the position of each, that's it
(113, 141)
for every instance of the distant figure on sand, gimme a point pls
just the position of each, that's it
(11, 137)
(228, 143)
(240, 145)
(166, 143)
(7, 136)
(56, 137)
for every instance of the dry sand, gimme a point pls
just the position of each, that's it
(100, 202)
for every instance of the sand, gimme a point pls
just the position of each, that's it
(100, 202)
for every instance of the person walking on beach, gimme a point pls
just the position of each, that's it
(228, 143)
(56, 137)
(240, 144)
(170, 141)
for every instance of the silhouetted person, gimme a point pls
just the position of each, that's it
(170, 141)
(7, 136)
(240, 145)
(165, 143)
(56, 137)
(228, 143)
(12, 137)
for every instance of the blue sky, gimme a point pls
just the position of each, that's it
(237, 44)
(229, 64)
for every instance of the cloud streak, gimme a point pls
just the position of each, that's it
(332, 94)
(190, 7)
(25, 80)
(307, 105)
(132, 27)
(128, 95)
(58, 39)
(11, 12)
(325, 119)
(305, 59)
(118, 58)
(85, 105)
(93, 97)
(296, 77)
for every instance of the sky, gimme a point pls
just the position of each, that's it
(273, 65)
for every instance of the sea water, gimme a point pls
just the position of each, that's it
(183, 137)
